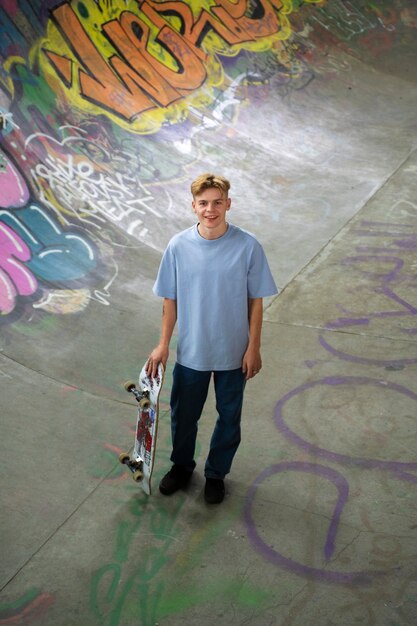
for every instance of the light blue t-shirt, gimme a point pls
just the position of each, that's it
(211, 280)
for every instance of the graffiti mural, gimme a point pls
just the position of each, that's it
(102, 104)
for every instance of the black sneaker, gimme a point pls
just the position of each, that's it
(214, 490)
(177, 478)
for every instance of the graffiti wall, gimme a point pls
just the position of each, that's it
(101, 107)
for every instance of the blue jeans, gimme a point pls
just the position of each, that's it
(189, 393)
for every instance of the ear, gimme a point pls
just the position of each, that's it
(229, 201)
(193, 205)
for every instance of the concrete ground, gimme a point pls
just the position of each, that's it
(319, 523)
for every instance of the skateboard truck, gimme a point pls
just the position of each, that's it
(141, 397)
(134, 466)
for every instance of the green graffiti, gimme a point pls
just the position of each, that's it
(13, 607)
(136, 584)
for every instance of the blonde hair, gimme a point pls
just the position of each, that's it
(208, 181)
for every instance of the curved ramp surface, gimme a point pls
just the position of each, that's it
(108, 110)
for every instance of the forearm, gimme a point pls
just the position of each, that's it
(252, 362)
(160, 354)
(169, 319)
(255, 315)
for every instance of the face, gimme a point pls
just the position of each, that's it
(211, 206)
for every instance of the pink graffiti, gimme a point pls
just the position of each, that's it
(15, 278)
(14, 190)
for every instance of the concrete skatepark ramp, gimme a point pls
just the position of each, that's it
(108, 110)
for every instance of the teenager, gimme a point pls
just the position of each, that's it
(212, 277)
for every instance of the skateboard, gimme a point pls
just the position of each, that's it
(140, 462)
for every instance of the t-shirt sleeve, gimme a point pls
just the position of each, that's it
(260, 280)
(166, 282)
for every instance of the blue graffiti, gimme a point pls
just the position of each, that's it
(56, 255)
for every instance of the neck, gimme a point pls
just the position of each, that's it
(208, 233)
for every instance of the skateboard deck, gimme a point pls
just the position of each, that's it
(141, 460)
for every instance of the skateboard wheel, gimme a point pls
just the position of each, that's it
(124, 458)
(145, 403)
(137, 475)
(129, 385)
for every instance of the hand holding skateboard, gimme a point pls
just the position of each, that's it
(159, 355)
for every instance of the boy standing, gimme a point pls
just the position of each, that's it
(212, 277)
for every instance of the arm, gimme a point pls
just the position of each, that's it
(252, 362)
(161, 352)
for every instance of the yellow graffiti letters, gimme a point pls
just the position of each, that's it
(138, 70)
(99, 84)
(262, 23)
(157, 56)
